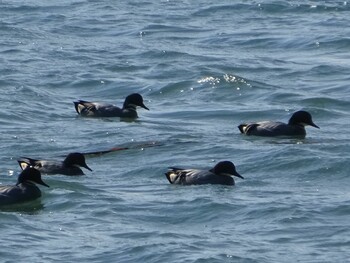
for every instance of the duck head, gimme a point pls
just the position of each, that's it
(76, 159)
(226, 168)
(134, 99)
(302, 118)
(30, 175)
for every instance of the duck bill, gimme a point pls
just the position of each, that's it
(238, 175)
(235, 174)
(143, 106)
(42, 183)
(87, 167)
(314, 125)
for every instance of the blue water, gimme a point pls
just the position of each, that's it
(203, 67)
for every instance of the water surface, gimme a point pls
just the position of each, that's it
(202, 68)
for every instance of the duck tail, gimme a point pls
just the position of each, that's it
(24, 162)
(242, 127)
(76, 105)
(167, 174)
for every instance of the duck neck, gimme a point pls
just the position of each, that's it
(295, 123)
(26, 183)
(130, 107)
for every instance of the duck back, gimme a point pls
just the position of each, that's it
(18, 194)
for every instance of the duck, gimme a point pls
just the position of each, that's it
(294, 127)
(96, 109)
(25, 188)
(221, 173)
(69, 166)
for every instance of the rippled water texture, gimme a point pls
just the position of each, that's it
(203, 67)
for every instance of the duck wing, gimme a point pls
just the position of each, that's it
(96, 109)
(266, 128)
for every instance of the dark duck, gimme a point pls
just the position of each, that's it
(24, 190)
(69, 166)
(294, 127)
(96, 109)
(221, 173)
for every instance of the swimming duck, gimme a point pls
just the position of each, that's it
(69, 166)
(95, 109)
(295, 127)
(24, 190)
(221, 174)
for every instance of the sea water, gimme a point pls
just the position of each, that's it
(203, 67)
